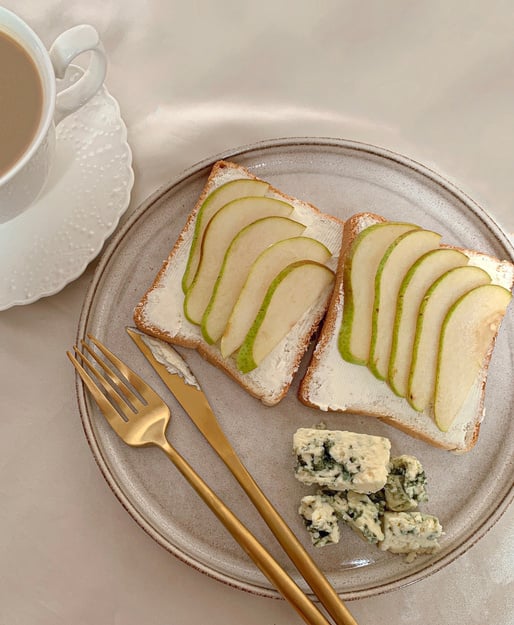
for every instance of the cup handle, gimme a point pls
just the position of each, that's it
(65, 48)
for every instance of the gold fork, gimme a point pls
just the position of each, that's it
(142, 420)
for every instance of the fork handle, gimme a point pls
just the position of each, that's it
(262, 558)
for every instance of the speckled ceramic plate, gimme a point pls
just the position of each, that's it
(468, 492)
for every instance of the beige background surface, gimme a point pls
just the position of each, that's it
(432, 80)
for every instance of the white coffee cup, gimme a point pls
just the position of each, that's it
(21, 184)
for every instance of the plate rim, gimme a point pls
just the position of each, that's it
(253, 588)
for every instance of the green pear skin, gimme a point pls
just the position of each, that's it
(396, 262)
(467, 336)
(359, 271)
(239, 257)
(435, 305)
(224, 194)
(265, 268)
(222, 228)
(286, 300)
(420, 277)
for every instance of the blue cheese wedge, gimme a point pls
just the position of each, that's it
(411, 533)
(320, 519)
(405, 486)
(361, 514)
(341, 460)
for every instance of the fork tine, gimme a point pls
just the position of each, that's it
(116, 380)
(116, 397)
(111, 414)
(142, 387)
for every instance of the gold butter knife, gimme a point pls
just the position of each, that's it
(179, 379)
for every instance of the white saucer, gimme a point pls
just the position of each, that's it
(52, 242)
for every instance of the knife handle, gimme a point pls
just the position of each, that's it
(197, 406)
(287, 539)
(262, 558)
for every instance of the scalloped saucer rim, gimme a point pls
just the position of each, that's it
(51, 244)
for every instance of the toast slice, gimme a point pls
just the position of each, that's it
(334, 384)
(160, 313)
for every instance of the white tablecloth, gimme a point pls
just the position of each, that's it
(432, 80)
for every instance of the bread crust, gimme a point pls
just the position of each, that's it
(329, 333)
(209, 352)
(139, 320)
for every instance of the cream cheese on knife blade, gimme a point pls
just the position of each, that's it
(169, 358)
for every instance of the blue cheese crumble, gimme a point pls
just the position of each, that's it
(341, 460)
(410, 533)
(360, 513)
(405, 486)
(320, 519)
(362, 488)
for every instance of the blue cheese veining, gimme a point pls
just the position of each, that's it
(376, 497)
(405, 486)
(360, 513)
(320, 519)
(341, 460)
(410, 533)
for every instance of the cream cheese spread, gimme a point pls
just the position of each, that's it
(164, 304)
(368, 395)
(171, 359)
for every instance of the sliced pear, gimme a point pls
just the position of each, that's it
(435, 305)
(359, 272)
(224, 194)
(290, 295)
(396, 262)
(425, 271)
(241, 253)
(222, 228)
(268, 265)
(467, 335)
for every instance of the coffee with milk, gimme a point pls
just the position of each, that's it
(21, 101)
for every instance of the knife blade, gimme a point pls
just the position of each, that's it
(180, 380)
